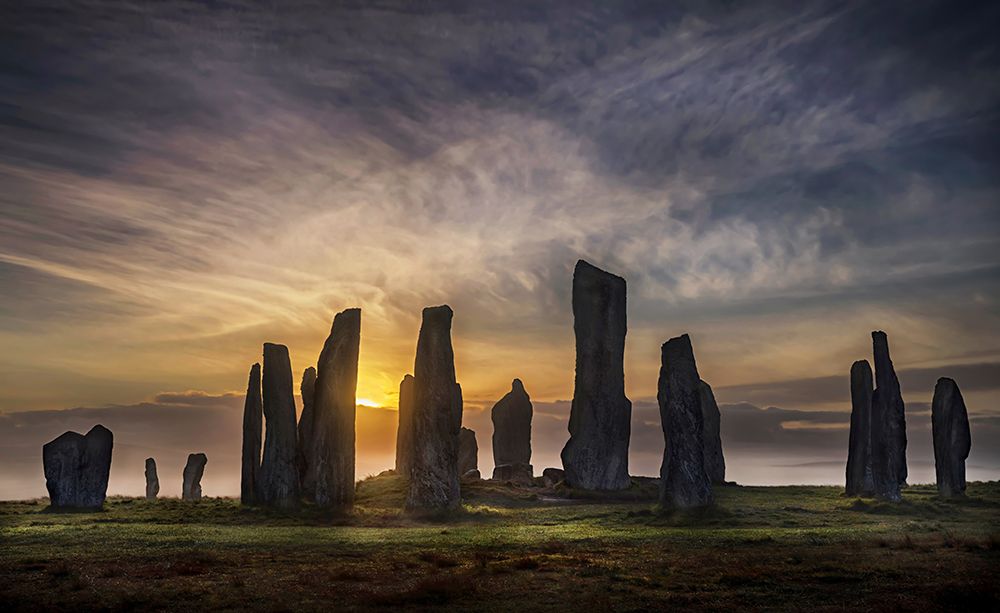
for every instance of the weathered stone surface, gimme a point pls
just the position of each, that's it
(306, 431)
(404, 430)
(596, 455)
(468, 451)
(77, 468)
(331, 468)
(278, 479)
(193, 471)
(888, 425)
(521, 474)
(253, 424)
(715, 462)
(952, 439)
(152, 481)
(437, 418)
(553, 476)
(859, 465)
(512, 427)
(471, 475)
(684, 483)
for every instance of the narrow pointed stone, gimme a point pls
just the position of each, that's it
(952, 438)
(437, 418)
(307, 431)
(279, 474)
(152, 481)
(888, 425)
(253, 424)
(596, 455)
(715, 461)
(193, 472)
(404, 429)
(77, 468)
(684, 483)
(468, 451)
(859, 465)
(331, 467)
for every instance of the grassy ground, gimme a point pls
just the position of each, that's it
(525, 549)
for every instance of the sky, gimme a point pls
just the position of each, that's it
(182, 182)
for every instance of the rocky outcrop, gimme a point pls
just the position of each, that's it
(77, 468)
(331, 467)
(404, 430)
(952, 439)
(472, 475)
(859, 466)
(306, 432)
(512, 427)
(193, 471)
(468, 451)
(520, 474)
(437, 418)
(552, 476)
(888, 425)
(152, 481)
(278, 480)
(684, 483)
(253, 424)
(715, 462)
(596, 455)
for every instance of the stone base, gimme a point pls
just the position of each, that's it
(516, 473)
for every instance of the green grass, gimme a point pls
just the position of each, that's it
(523, 548)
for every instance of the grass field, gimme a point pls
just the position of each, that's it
(512, 549)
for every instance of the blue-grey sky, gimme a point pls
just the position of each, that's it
(184, 181)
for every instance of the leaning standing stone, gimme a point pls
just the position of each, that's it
(952, 439)
(152, 481)
(77, 468)
(859, 465)
(279, 475)
(253, 424)
(404, 430)
(468, 451)
(715, 462)
(193, 471)
(888, 425)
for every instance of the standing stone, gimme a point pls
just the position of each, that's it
(468, 451)
(952, 439)
(253, 424)
(404, 430)
(279, 476)
(437, 418)
(888, 425)
(596, 455)
(684, 483)
(512, 428)
(152, 481)
(859, 465)
(77, 468)
(193, 471)
(307, 431)
(715, 462)
(331, 463)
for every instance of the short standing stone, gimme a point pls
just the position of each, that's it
(715, 462)
(77, 468)
(468, 451)
(253, 424)
(552, 476)
(512, 427)
(404, 430)
(952, 438)
(279, 474)
(888, 425)
(152, 481)
(859, 466)
(684, 483)
(596, 455)
(306, 432)
(472, 475)
(193, 471)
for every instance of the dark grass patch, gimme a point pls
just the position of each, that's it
(436, 590)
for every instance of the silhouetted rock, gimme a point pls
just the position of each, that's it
(468, 451)
(193, 471)
(77, 468)
(888, 425)
(152, 481)
(952, 439)
(512, 427)
(437, 418)
(253, 425)
(553, 476)
(521, 474)
(471, 475)
(684, 483)
(715, 462)
(306, 431)
(859, 466)
(404, 430)
(596, 455)
(279, 475)
(331, 468)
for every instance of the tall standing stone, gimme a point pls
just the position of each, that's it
(152, 481)
(715, 461)
(77, 468)
(307, 432)
(952, 439)
(888, 425)
(596, 455)
(279, 475)
(859, 465)
(437, 418)
(253, 424)
(684, 483)
(193, 471)
(331, 467)
(468, 451)
(404, 429)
